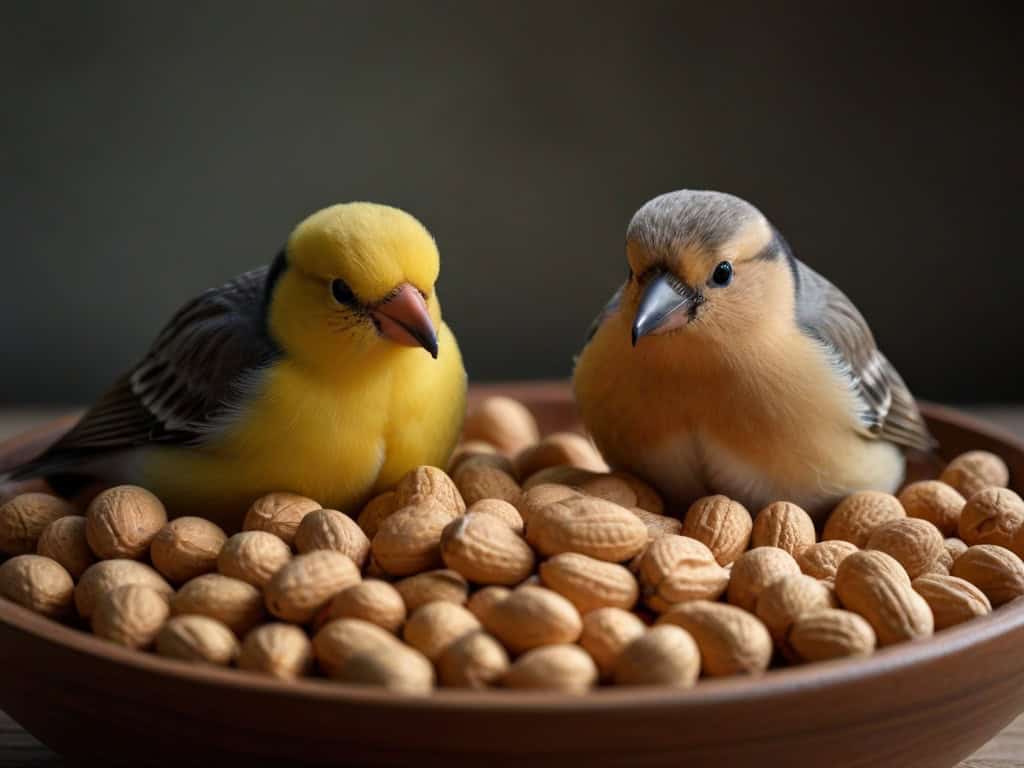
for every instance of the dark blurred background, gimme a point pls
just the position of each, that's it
(152, 150)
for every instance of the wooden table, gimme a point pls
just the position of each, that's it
(18, 748)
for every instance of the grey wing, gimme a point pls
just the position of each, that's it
(609, 308)
(888, 410)
(192, 378)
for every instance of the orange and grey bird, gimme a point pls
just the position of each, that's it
(726, 365)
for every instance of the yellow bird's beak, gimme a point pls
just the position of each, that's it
(403, 317)
(665, 304)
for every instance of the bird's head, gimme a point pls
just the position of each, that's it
(356, 276)
(704, 263)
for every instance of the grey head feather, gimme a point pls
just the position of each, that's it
(689, 218)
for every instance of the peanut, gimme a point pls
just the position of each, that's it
(235, 603)
(477, 481)
(934, 501)
(783, 525)
(485, 550)
(531, 617)
(731, 640)
(64, 540)
(955, 547)
(678, 569)
(409, 541)
(430, 586)
(186, 548)
(915, 544)
(606, 632)
(992, 516)
(504, 511)
(469, 449)
(306, 582)
(197, 639)
(589, 526)
(658, 525)
(429, 484)
(556, 449)
(107, 575)
(755, 571)
(952, 600)
(131, 616)
(663, 655)
(859, 514)
(646, 497)
(337, 640)
(720, 523)
(253, 556)
(504, 423)
(610, 488)
(37, 583)
(400, 669)
(588, 583)
(821, 560)
(974, 471)
(371, 600)
(279, 650)
(377, 509)
(24, 518)
(877, 587)
(560, 475)
(994, 570)
(789, 598)
(435, 626)
(542, 495)
(279, 514)
(122, 521)
(831, 634)
(475, 660)
(565, 668)
(330, 529)
(481, 603)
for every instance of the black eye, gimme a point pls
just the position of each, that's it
(723, 274)
(341, 292)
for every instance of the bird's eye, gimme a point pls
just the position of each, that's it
(341, 292)
(722, 275)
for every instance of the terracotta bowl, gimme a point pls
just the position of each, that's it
(928, 703)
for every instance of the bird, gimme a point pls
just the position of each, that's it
(328, 373)
(725, 365)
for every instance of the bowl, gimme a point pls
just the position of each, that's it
(926, 704)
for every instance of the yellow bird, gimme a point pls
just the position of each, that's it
(328, 374)
(725, 365)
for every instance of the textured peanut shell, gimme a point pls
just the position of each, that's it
(429, 484)
(658, 525)
(831, 634)
(606, 632)
(938, 503)
(822, 560)
(435, 626)
(306, 582)
(37, 583)
(409, 541)
(721, 524)
(330, 529)
(371, 600)
(952, 600)
(875, 585)
(559, 448)
(588, 583)
(197, 639)
(485, 550)
(430, 586)
(253, 556)
(187, 547)
(542, 495)
(755, 571)
(278, 650)
(996, 571)
(131, 616)
(857, 516)
(64, 540)
(789, 598)
(678, 569)
(565, 668)
(475, 660)
(731, 640)
(611, 488)
(24, 518)
(279, 514)
(783, 525)
(531, 617)
(992, 516)
(590, 526)
(915, 544)
(501, 509)
(477, 481)
(482, 601)
(502, 422)
(235, 603)
(377, 509)
(107, 575)
(974, 471)
(663, 655)
(123, 521)
(469, 449)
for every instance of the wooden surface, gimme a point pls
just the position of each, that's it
(18, 748)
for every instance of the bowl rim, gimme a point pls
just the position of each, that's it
(774, 683)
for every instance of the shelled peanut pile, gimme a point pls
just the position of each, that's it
(527, 565)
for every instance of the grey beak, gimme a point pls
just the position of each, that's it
(663, 296)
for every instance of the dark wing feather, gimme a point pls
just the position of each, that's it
(888, 411)
(194, 374)
(609, 308)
